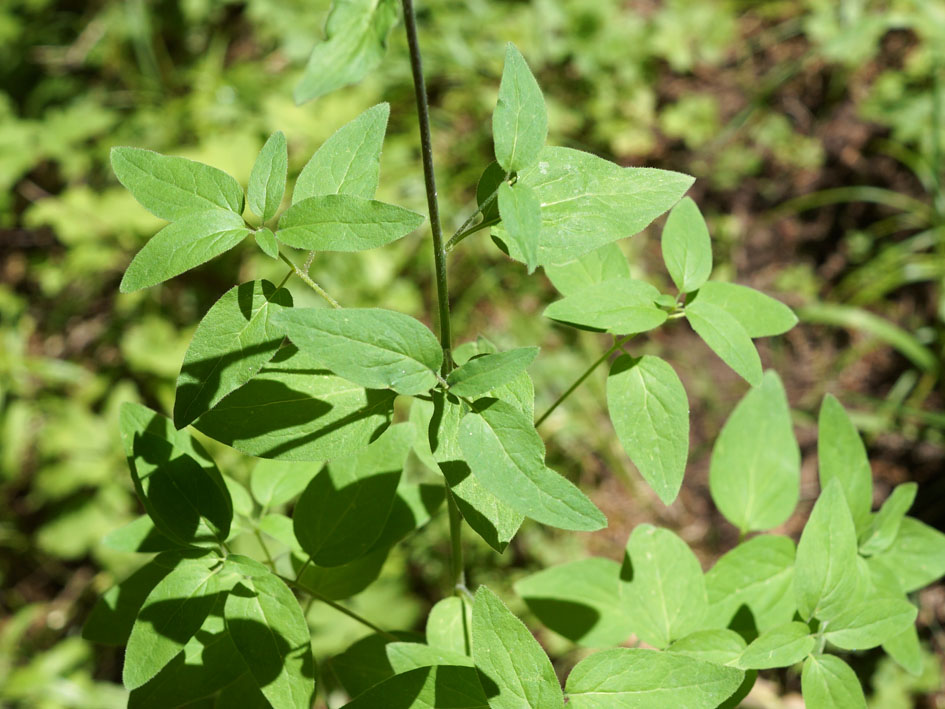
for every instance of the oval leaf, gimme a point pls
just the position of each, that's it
(827, 682)
(760, 314)
(727, 338)
(780, 646)
(267, 178)
(520, 120)
(687, 248)
(484, 373)
(521, 215)
(621, 306)
(604, 264)
(841, 455)
(869, 623)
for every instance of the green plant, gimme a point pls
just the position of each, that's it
(203, 621)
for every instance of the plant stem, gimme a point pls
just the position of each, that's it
(340, 608)
(309, 282)
(262, 543)
(457, 573)
(580, 380)
(461, 233)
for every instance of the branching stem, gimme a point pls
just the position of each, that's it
(309, 282)
(340, 608)
(462, 232)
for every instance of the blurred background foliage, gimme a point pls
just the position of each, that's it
(815, 129)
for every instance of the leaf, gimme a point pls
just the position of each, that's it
(726, 337)
(404, 657)
(521, 215)
(760, 314)
(687, 248)
(172, 188)
(355, 43)
(758, 574)
(339, 582)
(719, 646)
(449, 625)
(520, 120)
(170, 615)
(650, 413)
(345, 507)
(363, 665)
(139, 535)
(506, 653)
(606, 263)
(113, 615)
(489, 182)
(275, 482)
(754, 472)
(426, 688)
(269, 631)
(579, 600)
(295, 410)
(662, 586)
(267, 178)
(825, 577)
(267, 243)
(780, 646)
(883, 527)
(587, 202)
(414, 506)
(904, 648)
(621, 306)
(231, 344)
(279, 527)
(841, 455)
(871, 622)
(507, 455)
(917, 556)
(625, 678)
(177, 481)
(189, 242)
(349, 162)
(482, 374)
(369, 346)
(344, 222)
(827, 682)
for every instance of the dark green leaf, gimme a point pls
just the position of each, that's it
(726, 337)
(759, 314)
(780, 646)
(487, 187)
(604, 264)
(339, 582)
(841, 455)
(267, 179)
(827, 682)
(520, 120)
(621, 306)
(486, 372)
(426, 688)
(113, 615)
(883, 527)
(687, 248)
(139, 535)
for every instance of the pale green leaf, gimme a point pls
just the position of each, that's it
(275, 482)
(650, 412)
(606, 263)
(279, 527)
(662, 586)
(621, 306)
(506, 653)
(507, 456)
(726, 337)
(426, 688)
(349, 162)
(404, 657)
(760, 314)
(917, 556)
(521, 216)
(267, 178)
(780, 646)
(841, 455)
(520, 120)
(189, 242)
(883, 527)
(870, 622)
(827, 682)
(754, 473)
(369, 346)
(172, 188)
(687, 248)
(449, 625)
(266, 241)
(484, 373)
(905, 649)
(719, 646)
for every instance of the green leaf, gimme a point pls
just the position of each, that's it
(490, 180)
(754, 473)
(369, 346)
(621, 306)
(175, 478)
(687, 248)
(760, 314)
(726, 337)
(883, 527)
(871, 622)
(414, 505)
(780, 646)
(344, 222)
(758, 574)
(170, 615)
(650, 413)
(904, 648)
(506, 653)
(339, 582)
(295, 410)
(484, 373)
(827, 682)
(579, 600)
(113, 615)
(587, 202)
(172, 188)
(345, 507)
(266, 241)
(355, 43)
(363, 665)
(269, 631)
(604, 264)
(189, 242)
(231, 344)
(520, 120)
(521, 215)
(139, 535)
(662, 586)
(507, 456)
(267, 179)
(842, 456)
(625, 678)
(917, 556)
(279, 527)
(349, 162)
(449, 625)
(426, 688)
(275, 482)
(404, 657)
(826, 578)
(719, 646)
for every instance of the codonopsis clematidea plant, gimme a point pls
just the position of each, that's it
(286, 384)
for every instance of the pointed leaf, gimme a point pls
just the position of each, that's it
(871, 622)
(484, 373)
(113, 615)
(520, 120)
(189, 242)
(904, 648)
(490, 180)
(650, 413)
(726, 337)
(780, 646)
(841, 455)
(827, 682)
(917, 556)
(883, 527)
(172, 188)
(760, 314)
(521, 215)
(449, 625)
(267, 179)
(687, 248)
(719, 646)
(621, 306)
(604, 264)
(754, 473)
(267, 243)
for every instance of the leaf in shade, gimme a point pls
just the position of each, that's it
(760, 314)
(490, 180)
(726, 337)
(622, 306)
(521, 217)
(404, 657)
(267, 179)
(426, 688)
(827, 682)
(139, 535)
(841, 455)
(520, 120)
(482, 374)
(687, 248)
(604, 264)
